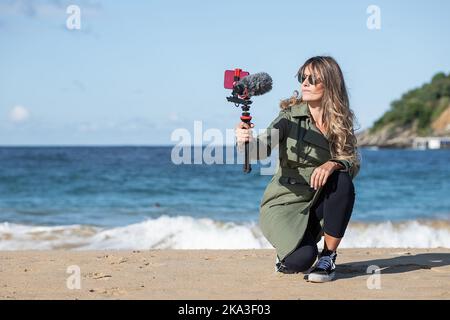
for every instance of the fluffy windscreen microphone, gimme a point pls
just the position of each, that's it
(256, 84)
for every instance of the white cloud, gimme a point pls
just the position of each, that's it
(173, 116)
(19, 114)
(129, 125)
(88, 127)
(45, 8)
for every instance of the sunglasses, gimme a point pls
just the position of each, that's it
(311, 79)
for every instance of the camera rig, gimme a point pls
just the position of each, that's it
(240, 98)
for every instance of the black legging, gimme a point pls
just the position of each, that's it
(335, 206)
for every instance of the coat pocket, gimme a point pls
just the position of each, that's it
(291, 190)
(317, 148)
(316, 155)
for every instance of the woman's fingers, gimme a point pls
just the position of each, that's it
(243, 132)
(243, 125)
(318, 178)
(313, 177)
(244, 135)
(323, 180)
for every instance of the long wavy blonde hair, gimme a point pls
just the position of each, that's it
(337, 116)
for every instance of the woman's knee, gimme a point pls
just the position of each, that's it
(340, 181)
(302, 259)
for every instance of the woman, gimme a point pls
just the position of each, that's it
(312, 193)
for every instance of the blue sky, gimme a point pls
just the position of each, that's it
(137, 70)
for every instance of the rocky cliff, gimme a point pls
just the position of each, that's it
(423, 111)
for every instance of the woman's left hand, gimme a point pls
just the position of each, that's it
(320, 174)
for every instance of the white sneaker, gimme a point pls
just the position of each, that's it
(324, 270)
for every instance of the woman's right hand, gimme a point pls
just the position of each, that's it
(243, 132)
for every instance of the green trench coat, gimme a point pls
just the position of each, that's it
(284, 207)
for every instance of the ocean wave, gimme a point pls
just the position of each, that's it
(184, 232)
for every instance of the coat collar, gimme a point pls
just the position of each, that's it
(300, 110)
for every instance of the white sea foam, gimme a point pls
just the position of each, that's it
(184, 232)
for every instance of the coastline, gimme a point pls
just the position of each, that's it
(219, 274)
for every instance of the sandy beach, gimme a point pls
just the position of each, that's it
(218, 274)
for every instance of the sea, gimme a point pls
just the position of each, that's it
(138, 197)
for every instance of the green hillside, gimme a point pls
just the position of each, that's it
(422, 105)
